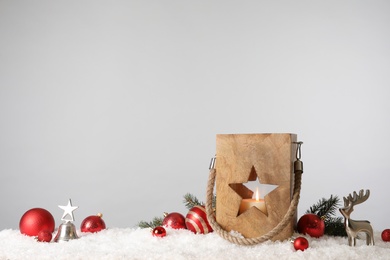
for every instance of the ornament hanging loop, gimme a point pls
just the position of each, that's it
(298, 164)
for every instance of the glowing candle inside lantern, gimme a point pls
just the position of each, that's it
(255, 201)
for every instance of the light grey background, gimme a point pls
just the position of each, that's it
(116, 104)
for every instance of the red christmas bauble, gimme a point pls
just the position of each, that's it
(312, 225)
(44, 236)
(386, 235)
(196, 220)
(35, 220)
(301, 243)
(93, 224)
(174, 220)
(159, 232)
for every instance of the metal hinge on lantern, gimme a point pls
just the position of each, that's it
(212, 163)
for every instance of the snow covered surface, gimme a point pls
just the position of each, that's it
(135, 243)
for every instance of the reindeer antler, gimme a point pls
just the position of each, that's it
(356, 199)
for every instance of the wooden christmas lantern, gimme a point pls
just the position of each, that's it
(254, 176)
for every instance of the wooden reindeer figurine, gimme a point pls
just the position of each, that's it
(353, 227)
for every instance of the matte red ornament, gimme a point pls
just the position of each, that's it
(159, 232)
(386, 235)
(174, 220)
(196, 220)
(312, 225)
(35, 220)
(93, 224)
(44, 236)
(301, 243)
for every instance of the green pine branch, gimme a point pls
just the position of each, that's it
(191, 201)
(335, 227)
(327, 209)
(157, 221)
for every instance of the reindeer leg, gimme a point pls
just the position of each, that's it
(349, 240)
(372, 237)
(371, 241)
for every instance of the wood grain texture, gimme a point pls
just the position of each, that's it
(243, 157)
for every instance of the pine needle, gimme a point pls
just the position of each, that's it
(327, 209)
(157, 221)
(191, 201)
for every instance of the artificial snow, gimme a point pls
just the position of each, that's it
(137, 243)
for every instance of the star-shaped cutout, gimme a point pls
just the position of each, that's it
(248, 191)
(68, 211)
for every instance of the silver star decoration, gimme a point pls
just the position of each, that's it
(68, 211)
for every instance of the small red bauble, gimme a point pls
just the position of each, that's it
(174, 220)
(196, 220)
(301, 243)
(312, 225)
(36, 220)
(386, 235)
(93, 224)
(159, 232)
(44, 236)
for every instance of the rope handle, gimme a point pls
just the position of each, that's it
(298, 170)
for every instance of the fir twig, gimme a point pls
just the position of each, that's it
(335, 227)
(326, 209)
(191, 201)
(157, 221)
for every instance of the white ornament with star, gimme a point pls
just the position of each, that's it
(68, 211)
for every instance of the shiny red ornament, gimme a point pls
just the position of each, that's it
(386, 235)
(44, 236)
(174, 220)
(159, 232)
(35, 220)
(196, 220)
(301, 243)
(312, 225)
(93, 224)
